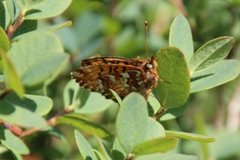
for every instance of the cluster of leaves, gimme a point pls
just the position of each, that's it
(32, 57)
(27, 55)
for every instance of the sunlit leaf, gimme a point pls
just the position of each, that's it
(12, 142)
(4, 42)
(173, 87)
(155, 145)
(211, 52)
(180, 36)
(12, 79)
(84, 147)
(83, 124)
(131, 123)
(190, 136)
(40, 9)
(215, 75)
(41, 61)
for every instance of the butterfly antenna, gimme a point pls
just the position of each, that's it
(145, 36)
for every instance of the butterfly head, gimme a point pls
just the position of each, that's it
(151, 64)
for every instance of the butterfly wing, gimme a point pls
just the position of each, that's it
(112, 60)
(123, 79)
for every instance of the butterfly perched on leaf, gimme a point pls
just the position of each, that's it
(123, 75)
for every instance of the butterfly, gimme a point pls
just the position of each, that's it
(123, 75)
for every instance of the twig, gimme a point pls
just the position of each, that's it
(159, 113)
(13, 128)
(51, 122)
(12, 28)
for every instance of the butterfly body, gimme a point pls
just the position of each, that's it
(100, 74)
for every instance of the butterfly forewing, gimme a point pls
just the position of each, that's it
(112, 60)
(119, 74)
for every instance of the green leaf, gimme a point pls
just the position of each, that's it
(11, 9)
(131, 123)
(173, 87)
(167, 156)
(154, 129)
(95, 102)
(190, 136)
(211, 52)
(84, 147)
(81, 123)
(12, 142)
(39, 62)
(17, 156)
(11, 76)
(26, 26)
(83, 101)
(14, 109)
(119, 100)
(180, 36)
(43, 69)
(118, 152)
(37, 104)
(154, 103)
(103, 150)
(2, 15)
(70, 95)
(173, 113)
(57, 27)
(215, 75)
(155, 145)
(44, 9)
(42, 104)
(4, 42)
(99, 155)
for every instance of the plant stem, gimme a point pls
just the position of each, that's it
(159, 113)
(12, 28)
(51, 122)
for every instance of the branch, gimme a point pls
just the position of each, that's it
(159, 113)
(12, 28)
(51, 122)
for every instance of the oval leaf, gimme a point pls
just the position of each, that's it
(180, 36)
(173, 113)
(14, 113)
(11, 76)
(81, 123)
(4, 42)
(44, 9)
(40, 61)
(215, 75)
(174, 84)
(90, 105)
(154, 129)
(190, 136)
(211, 52)
(42, 69)
(155, 145)
(84, 147)
(131, 123)
(35, 103)
(43, 104)
(12, 142)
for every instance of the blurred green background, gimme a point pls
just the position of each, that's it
(116, 28)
